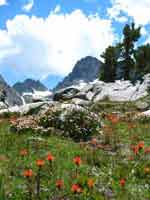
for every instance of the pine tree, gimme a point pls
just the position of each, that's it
(131, 35)
(142, 58)
(109, 67)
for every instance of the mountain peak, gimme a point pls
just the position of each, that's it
(86, 69)
(29, 85)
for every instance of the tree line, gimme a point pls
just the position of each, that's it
(124, 60)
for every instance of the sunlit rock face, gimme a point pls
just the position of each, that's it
(98, 90)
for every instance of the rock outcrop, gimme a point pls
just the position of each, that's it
(97, 91)
(37, 96)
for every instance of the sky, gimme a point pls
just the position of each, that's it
(43, 39)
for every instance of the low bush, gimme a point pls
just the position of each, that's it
(77, 124)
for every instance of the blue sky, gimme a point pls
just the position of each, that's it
(43, 39)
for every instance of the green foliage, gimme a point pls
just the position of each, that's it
(131, 35)
(2, 191)
(142, 57)
(101, 163)
(123, 52)
(108, 72)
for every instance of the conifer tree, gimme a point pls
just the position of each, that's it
(109, 67)
(131, 35)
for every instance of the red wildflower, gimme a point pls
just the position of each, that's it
(77, 160)
(40, 163)
(59, 184)
(135, 149)
(23, 152)
(50, 157)
(122, 182)
(28, 173)
(113, 118)
(90, 183)
(147, 150)
(76, 188)
(141, 145)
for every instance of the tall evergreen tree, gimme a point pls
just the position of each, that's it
(109, 67)
(142, 58)
(131, 35)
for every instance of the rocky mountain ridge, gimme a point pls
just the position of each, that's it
(32, 91)
(86, 70)
(28, 86)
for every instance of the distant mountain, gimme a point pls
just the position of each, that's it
(8, 95)
(29, 86)
(86, 69)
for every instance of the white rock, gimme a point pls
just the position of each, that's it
(2, 105)
(21, 109)
(146, 113)
(38, 95)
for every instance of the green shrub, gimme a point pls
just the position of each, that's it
(77, 124)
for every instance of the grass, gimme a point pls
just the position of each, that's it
(106, 162)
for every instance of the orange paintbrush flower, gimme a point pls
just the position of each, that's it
(122, 182)
(90, 183)
(77, 160)
(113, 118)
(75, 188)
(28, 173)
(141, 145)
(147, 150)
(40, 163)
(23, 152)
(135, 149)
(59, 184)
(50, 157)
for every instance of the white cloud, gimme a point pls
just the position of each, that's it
(3, 2)
(57, 9)
(37, 47)
(139, 10)
(28, 6)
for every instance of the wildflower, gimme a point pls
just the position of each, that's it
(76, 188)
(122, 182)
(135, 149)
(131, 126)
(147, 150)
(90, 183)
(23, 152)
(59, 184)
(28, 173)
(113, 118)
(77, 160)
(141, 145)
(40, 163)
(50, 157)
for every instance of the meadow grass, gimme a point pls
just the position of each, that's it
(115, 169)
